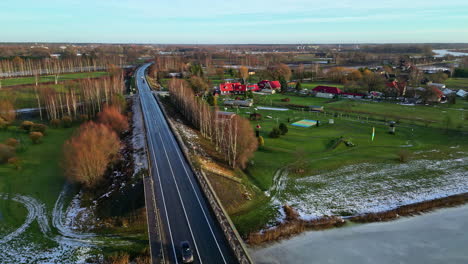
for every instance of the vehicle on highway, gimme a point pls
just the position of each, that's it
(187, 254)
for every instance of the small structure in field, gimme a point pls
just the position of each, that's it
(244, 103)
(224, 115)
(305, 123)
(316, 108)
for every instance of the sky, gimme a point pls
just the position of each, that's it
(234, 22)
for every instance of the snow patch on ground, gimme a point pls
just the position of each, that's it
(67, 247)
(364, 188)
(138, 138)
(36, 211)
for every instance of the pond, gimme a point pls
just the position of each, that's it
(436, 237)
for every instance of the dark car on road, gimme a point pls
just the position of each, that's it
(187, 254)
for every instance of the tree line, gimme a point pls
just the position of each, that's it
(49, 66)
(232, 135)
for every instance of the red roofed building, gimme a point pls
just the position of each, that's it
(253, 87)
(228, 87)
(273, 85)
(237, 88)
(327, 89)
(398, 87)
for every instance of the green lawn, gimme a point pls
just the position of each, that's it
(457, 83)
(50, 78)
(315, 143)
(421, 114)
(41, 176)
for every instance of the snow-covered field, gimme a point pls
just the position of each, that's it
(68, 246)
(364, 188)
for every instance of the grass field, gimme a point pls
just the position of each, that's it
(50, 78)
(39, 182)
(421, 114)
(314, 146)
(21, 90)
(457, 83)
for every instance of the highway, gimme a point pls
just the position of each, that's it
(183, 209)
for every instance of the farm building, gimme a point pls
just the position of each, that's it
(353, 95)
(399, 88)
(237, 88)
(327, 89)
(273, 85)
(325, 95)
(436, 85)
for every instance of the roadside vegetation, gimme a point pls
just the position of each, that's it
(68, 174)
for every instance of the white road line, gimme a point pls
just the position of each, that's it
(198, 198)
(192, 185)
(160, 186)
(181, 201)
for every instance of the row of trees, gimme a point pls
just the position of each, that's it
(84, 97)
(31, 67)
(232, 135)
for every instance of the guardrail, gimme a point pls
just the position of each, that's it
(234, 239)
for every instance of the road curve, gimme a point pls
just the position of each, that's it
(184, 211)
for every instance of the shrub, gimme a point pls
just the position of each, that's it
(111, 117)
(67, 121)
(275, 133)
(89, 152)
(26, 125)
(36, 137)
(39, 128)
(118, 258)
(255, 117)
(261, 141)
(12, 142)
(3, 123)
(83, 118)
(283, 128)
(290, 213)
(403, 156)
(16, 162)
(55, 123)
(6, 152)
(7, 111)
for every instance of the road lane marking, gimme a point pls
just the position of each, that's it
(157, 171)
(190, 180)
(181, 201)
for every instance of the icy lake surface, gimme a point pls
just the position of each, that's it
(436, 237)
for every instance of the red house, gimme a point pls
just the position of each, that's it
(253, 87)
(273, 85)
(227, 88)
(398, 87)
(327, 89)
(237, 88)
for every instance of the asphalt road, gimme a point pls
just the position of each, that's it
(184, 211)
